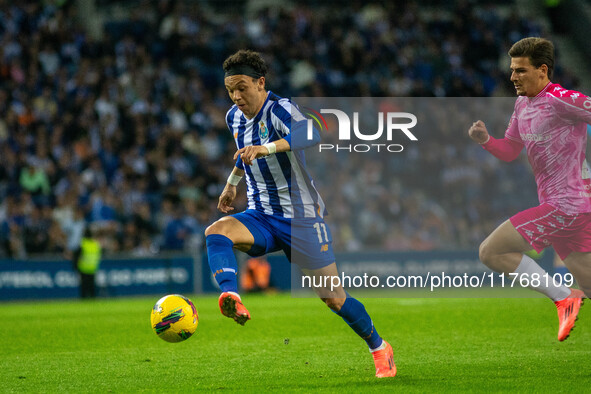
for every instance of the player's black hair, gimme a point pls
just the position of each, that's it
(245, 62)
(538, 50)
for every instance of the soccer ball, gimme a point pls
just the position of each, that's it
(174, 318)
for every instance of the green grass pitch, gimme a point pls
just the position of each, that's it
(440, 344)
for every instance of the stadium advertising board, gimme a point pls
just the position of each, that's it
(36, 279)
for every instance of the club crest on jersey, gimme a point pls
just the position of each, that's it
(263, 131)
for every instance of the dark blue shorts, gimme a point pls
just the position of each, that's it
(306, 242)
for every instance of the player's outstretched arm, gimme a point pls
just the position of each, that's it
(229, 193)
(253, 152)
(505, 149)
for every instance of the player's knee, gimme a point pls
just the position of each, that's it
(334, 303)
(486, 254)
(211, 229)
(218, 227)
(483, 251)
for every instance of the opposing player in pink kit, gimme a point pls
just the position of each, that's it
(551, 123)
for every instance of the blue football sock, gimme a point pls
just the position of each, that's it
(561, 271)
(354, 314)
(222, 261)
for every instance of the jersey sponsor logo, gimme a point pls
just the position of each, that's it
(574, 96)
(534, 137)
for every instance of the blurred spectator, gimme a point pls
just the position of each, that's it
(86, 261)
(36, 230)
(73, 226)
(13, 228)
(256, 275)
(34, 180)
(177, 231)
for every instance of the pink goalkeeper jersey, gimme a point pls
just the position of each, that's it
(553, 128)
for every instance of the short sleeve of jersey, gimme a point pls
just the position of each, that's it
(285, 114)
(229, 114)
(292, 125)
(281, 116)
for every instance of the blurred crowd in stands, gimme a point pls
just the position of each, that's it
(125, 133)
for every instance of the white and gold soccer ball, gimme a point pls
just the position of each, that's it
(174, 318)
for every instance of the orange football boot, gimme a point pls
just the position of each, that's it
(232, 307)
(384, 361)
(568, 311)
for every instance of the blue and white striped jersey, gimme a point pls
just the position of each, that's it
(277, 184)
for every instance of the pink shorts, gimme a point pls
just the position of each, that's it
(545, 225)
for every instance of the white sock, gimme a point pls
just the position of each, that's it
(236, 294)
(382, 346)
(528, 267)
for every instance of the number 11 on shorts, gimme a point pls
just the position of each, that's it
(317, 227)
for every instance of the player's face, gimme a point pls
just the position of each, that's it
(527, 79)
(247, 93)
